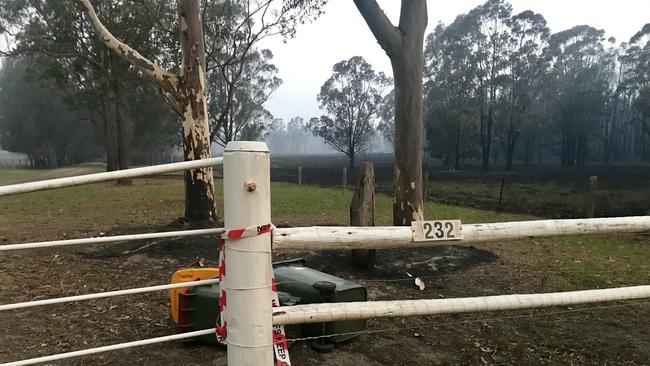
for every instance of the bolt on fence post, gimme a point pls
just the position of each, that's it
(247, 202)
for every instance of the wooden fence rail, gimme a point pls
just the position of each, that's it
(318, 313)
(380, 237)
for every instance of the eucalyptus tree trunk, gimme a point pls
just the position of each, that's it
(184, 93)
(487, 139)
(404, 47)
(110, 130)
(199, 185)
(511, 144)
(116, 132)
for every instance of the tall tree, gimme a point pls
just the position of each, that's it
(241, 76)
(491, 36)
(276, 140)
(185, 93)
(639, 75)
(524, 74)
(297, 134)
(450, 104)
(568, 95)
(578, 88)
(351, 97)
(404, 46)
(241, 104)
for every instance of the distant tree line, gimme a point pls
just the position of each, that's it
(501, 87)
(44, 121)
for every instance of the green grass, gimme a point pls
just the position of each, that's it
(597, 261)
(310, 204)
(162, 197)
(161, 200)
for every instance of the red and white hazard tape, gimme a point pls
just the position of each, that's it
(280, 346)
(221, 323)
(247, 232)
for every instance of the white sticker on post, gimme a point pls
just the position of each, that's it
(437, 230)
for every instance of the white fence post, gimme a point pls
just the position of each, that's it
(247, 202)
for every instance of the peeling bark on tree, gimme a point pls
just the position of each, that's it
(186, 96)
(199, 186)
(408, 139)
(404, 47)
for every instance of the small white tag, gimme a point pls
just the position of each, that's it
(437, 230)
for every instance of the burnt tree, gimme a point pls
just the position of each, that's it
(404, 46)
(185, 93)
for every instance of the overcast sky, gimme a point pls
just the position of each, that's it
(305, 62)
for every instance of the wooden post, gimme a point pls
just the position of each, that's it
(319, 313)
(299, 176)
(345, 178)
(247, 203)
(362, 212)
(591, 197)
(503, 183)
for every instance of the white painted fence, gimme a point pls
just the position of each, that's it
(249, 314)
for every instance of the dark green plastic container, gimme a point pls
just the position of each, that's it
(298, 280)
(198, 307)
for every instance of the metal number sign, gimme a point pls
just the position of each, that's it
(437, 230)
